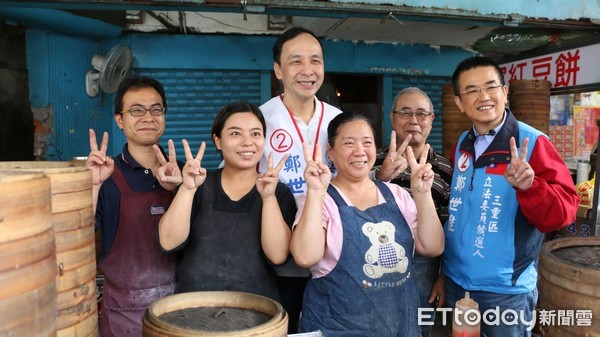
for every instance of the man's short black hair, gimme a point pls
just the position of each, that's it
(137, 82)
(471, 63)
(286, 36)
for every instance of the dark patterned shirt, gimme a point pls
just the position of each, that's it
(440, 190)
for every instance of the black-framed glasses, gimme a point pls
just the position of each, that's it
(139, 111)
(476, 91)
(407, 114)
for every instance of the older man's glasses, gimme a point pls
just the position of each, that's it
(476, 91)
(406, 114)
(139, 111)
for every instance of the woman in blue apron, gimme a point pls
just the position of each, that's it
(358, 236)
(233, 224)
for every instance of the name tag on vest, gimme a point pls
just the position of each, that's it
(157, 210)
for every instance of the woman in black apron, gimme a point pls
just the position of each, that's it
(233, 224)
(358, 235)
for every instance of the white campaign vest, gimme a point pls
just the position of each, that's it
(285, 134)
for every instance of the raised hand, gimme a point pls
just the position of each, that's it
(169, 174)
(267, 182)
(394, 163)
(519, 173)
(316, 174)
(193, 172)
(421, 176)
(97, 161)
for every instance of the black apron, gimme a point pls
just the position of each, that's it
(224, 250)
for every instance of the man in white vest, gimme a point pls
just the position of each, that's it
(294, 117)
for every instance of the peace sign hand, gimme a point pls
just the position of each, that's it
(267, 182)
(421, 176)
(519, 173)
(169, 174)
(193, 173)
(394, 163)
(97, 161)
(316, 174)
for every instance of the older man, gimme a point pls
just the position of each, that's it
(412, 117)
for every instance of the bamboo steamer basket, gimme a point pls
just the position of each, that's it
(454, 122)
(27, 256)
(532, 85)
(73, 224)
(529, 100)
(154, 325)
(570, 280)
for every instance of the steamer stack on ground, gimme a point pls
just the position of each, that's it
(569, 282)
(529, 100)
(74, 259)
(27, 256)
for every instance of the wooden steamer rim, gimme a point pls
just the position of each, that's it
(229, 299)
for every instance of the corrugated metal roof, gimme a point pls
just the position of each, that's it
(455, 23)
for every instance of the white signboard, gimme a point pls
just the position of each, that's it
(578, 66)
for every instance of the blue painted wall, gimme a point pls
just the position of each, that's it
(255, 53)
(57, 65)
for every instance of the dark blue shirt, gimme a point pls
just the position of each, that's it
(139, 178)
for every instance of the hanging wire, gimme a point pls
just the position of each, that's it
(244, 2)
(391, 14)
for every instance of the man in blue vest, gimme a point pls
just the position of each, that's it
(503, 197)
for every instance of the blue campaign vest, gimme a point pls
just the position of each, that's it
(370, 292)
(490, 246)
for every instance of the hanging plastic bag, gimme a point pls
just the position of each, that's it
(585, 189)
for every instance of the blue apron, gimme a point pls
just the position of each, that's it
(371, 291)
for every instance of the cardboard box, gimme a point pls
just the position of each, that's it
(569, 137)
(560, 137)
(582, 211)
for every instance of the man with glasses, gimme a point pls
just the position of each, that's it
(131, 193)
(502, 199)
(412, 118)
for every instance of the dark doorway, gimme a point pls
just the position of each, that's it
(356, 93)
(350, 93)
(17, 130)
